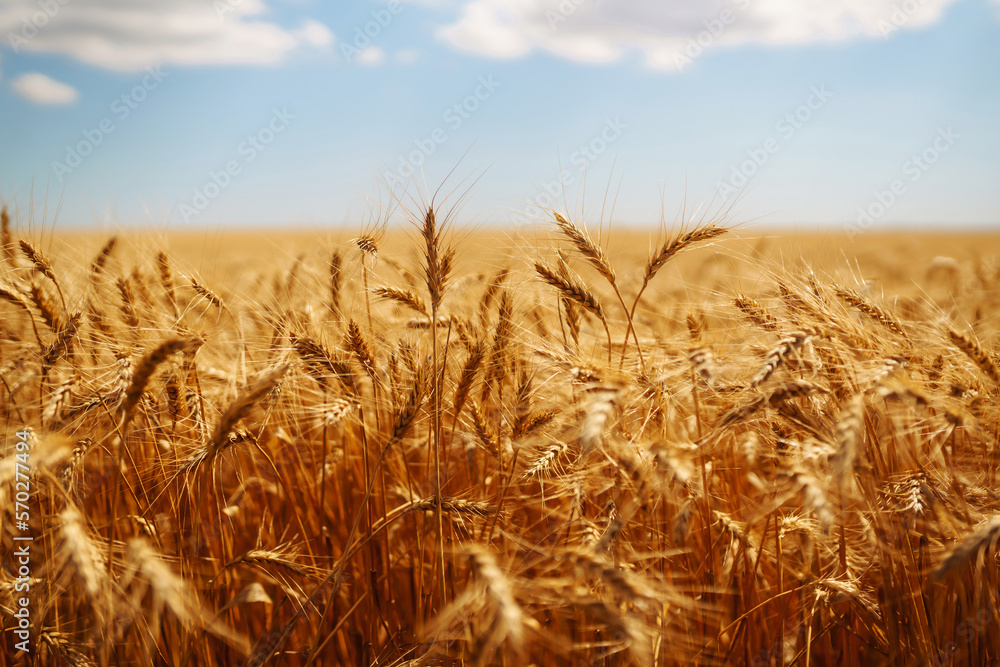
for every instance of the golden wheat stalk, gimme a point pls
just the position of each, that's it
(147, 367)
(510, 617)
(128, 304)
(46, 308)
(167, 280)
(873, 311)
(204, 292)
(83, 554)
(756, 313)
(42, 264)
(597, 258)
(174, 593)
(322, 363)
(239, 408)
(849, 432)
(986, 363)
(62, 345)
(573, 290)
(778, 355)
(659, 259)
(362, 349)
(403, 297)
(10, 295)
(6, 237)
(335, 281)
(468, 376)
(983, 538)
(97, 266)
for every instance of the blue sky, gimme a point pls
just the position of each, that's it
(874, 114)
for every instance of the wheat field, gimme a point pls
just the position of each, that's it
(429, 445)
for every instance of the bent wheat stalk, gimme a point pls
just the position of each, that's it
(597, 258)
(659, 260)
(573, 290)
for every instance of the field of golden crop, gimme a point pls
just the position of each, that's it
(543, 447)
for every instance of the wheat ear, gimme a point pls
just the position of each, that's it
(97, 267)
(572, 289)
(6, 238)
(43, 266)
(597, 258)
(986, 536)
(976, 353)
(10, 295)
(667, 252)
(878, 314)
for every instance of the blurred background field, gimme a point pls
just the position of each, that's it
(902, 264)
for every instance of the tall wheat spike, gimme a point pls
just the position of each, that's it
(975, 352)
(575, 291)
(597, 258)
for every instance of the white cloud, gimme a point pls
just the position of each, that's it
(371, 56)
(315, 34)
(130, 35)
(40, 89)
(667, 32)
